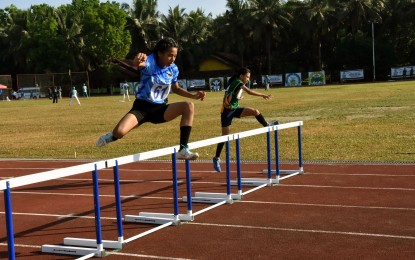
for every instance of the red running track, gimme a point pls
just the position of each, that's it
(333, 211)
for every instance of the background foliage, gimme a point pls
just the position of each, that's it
(268, 36)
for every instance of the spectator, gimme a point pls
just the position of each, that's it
(60, 92)
(125, 89)
(84, 91)
(266, 81)
(55, 94)
(74, 95)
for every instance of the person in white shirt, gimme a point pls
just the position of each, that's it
(84, 91)
(125, 88)
(74, 95)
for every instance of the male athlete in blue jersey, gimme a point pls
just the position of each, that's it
(158, 75)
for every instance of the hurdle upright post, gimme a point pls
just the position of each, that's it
(238, 166)
(189, 189)
(228, 172)
(118, 202)
(175, 187)
(97, 207)
(9, 222)
(277, 157)
(300, 150)
(269, 157)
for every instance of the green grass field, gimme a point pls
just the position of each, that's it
(358, 122)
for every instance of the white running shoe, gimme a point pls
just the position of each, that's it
(185, 154)
(104, 139)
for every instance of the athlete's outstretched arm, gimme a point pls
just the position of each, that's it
(180, 91)
(254, 93)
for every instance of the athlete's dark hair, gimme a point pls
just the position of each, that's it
(241, 71)
(165, 44)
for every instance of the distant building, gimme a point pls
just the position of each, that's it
(220, 61)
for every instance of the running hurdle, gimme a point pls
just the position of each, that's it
(7, 185)
(228, 197)
(88, 248)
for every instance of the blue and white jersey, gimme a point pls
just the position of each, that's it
(156, 81)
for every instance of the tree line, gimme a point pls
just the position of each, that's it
(268, 36)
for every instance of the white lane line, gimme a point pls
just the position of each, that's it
(146, 256)
(345, 187)
(110, 253)
(326, 205)
(305, 230)
(360, 174)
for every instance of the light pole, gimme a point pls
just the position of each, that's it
(373, 52)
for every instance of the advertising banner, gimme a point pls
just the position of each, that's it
(316, 78)
(182, 83)
(273, 79)
(216, 84)
(351, 74)
(292, 79)
(193, 84)
(403, 72)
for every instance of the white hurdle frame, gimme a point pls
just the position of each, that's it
(223, 198)
(88, 248)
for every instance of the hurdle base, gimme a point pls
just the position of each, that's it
(210, 198)
(256, 182)
(84, 242)
(71, 250)
(222, 196)
(285, 172)
(153, 218)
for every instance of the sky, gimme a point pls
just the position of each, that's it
(215, 7)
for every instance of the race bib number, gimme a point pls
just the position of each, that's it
(159, 92)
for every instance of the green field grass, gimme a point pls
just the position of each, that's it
(357, 122)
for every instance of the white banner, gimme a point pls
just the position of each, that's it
(273, 79)
(292, 79)
(182, 83)
(403, 72)
(196, 84)
(316, 78)
(351, 74)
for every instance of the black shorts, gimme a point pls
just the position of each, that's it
(148, 112)
(227, 115)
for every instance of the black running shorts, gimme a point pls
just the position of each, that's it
(145, 111)
(227, 115)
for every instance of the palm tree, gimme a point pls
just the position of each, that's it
(269, 22)
(358, 13)
(15, 37)
(398, 28)
(70, 29)
(231, 29)
(143, 24)
(198, 30)
(320, 17)
(174, 24)
(198, 26)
